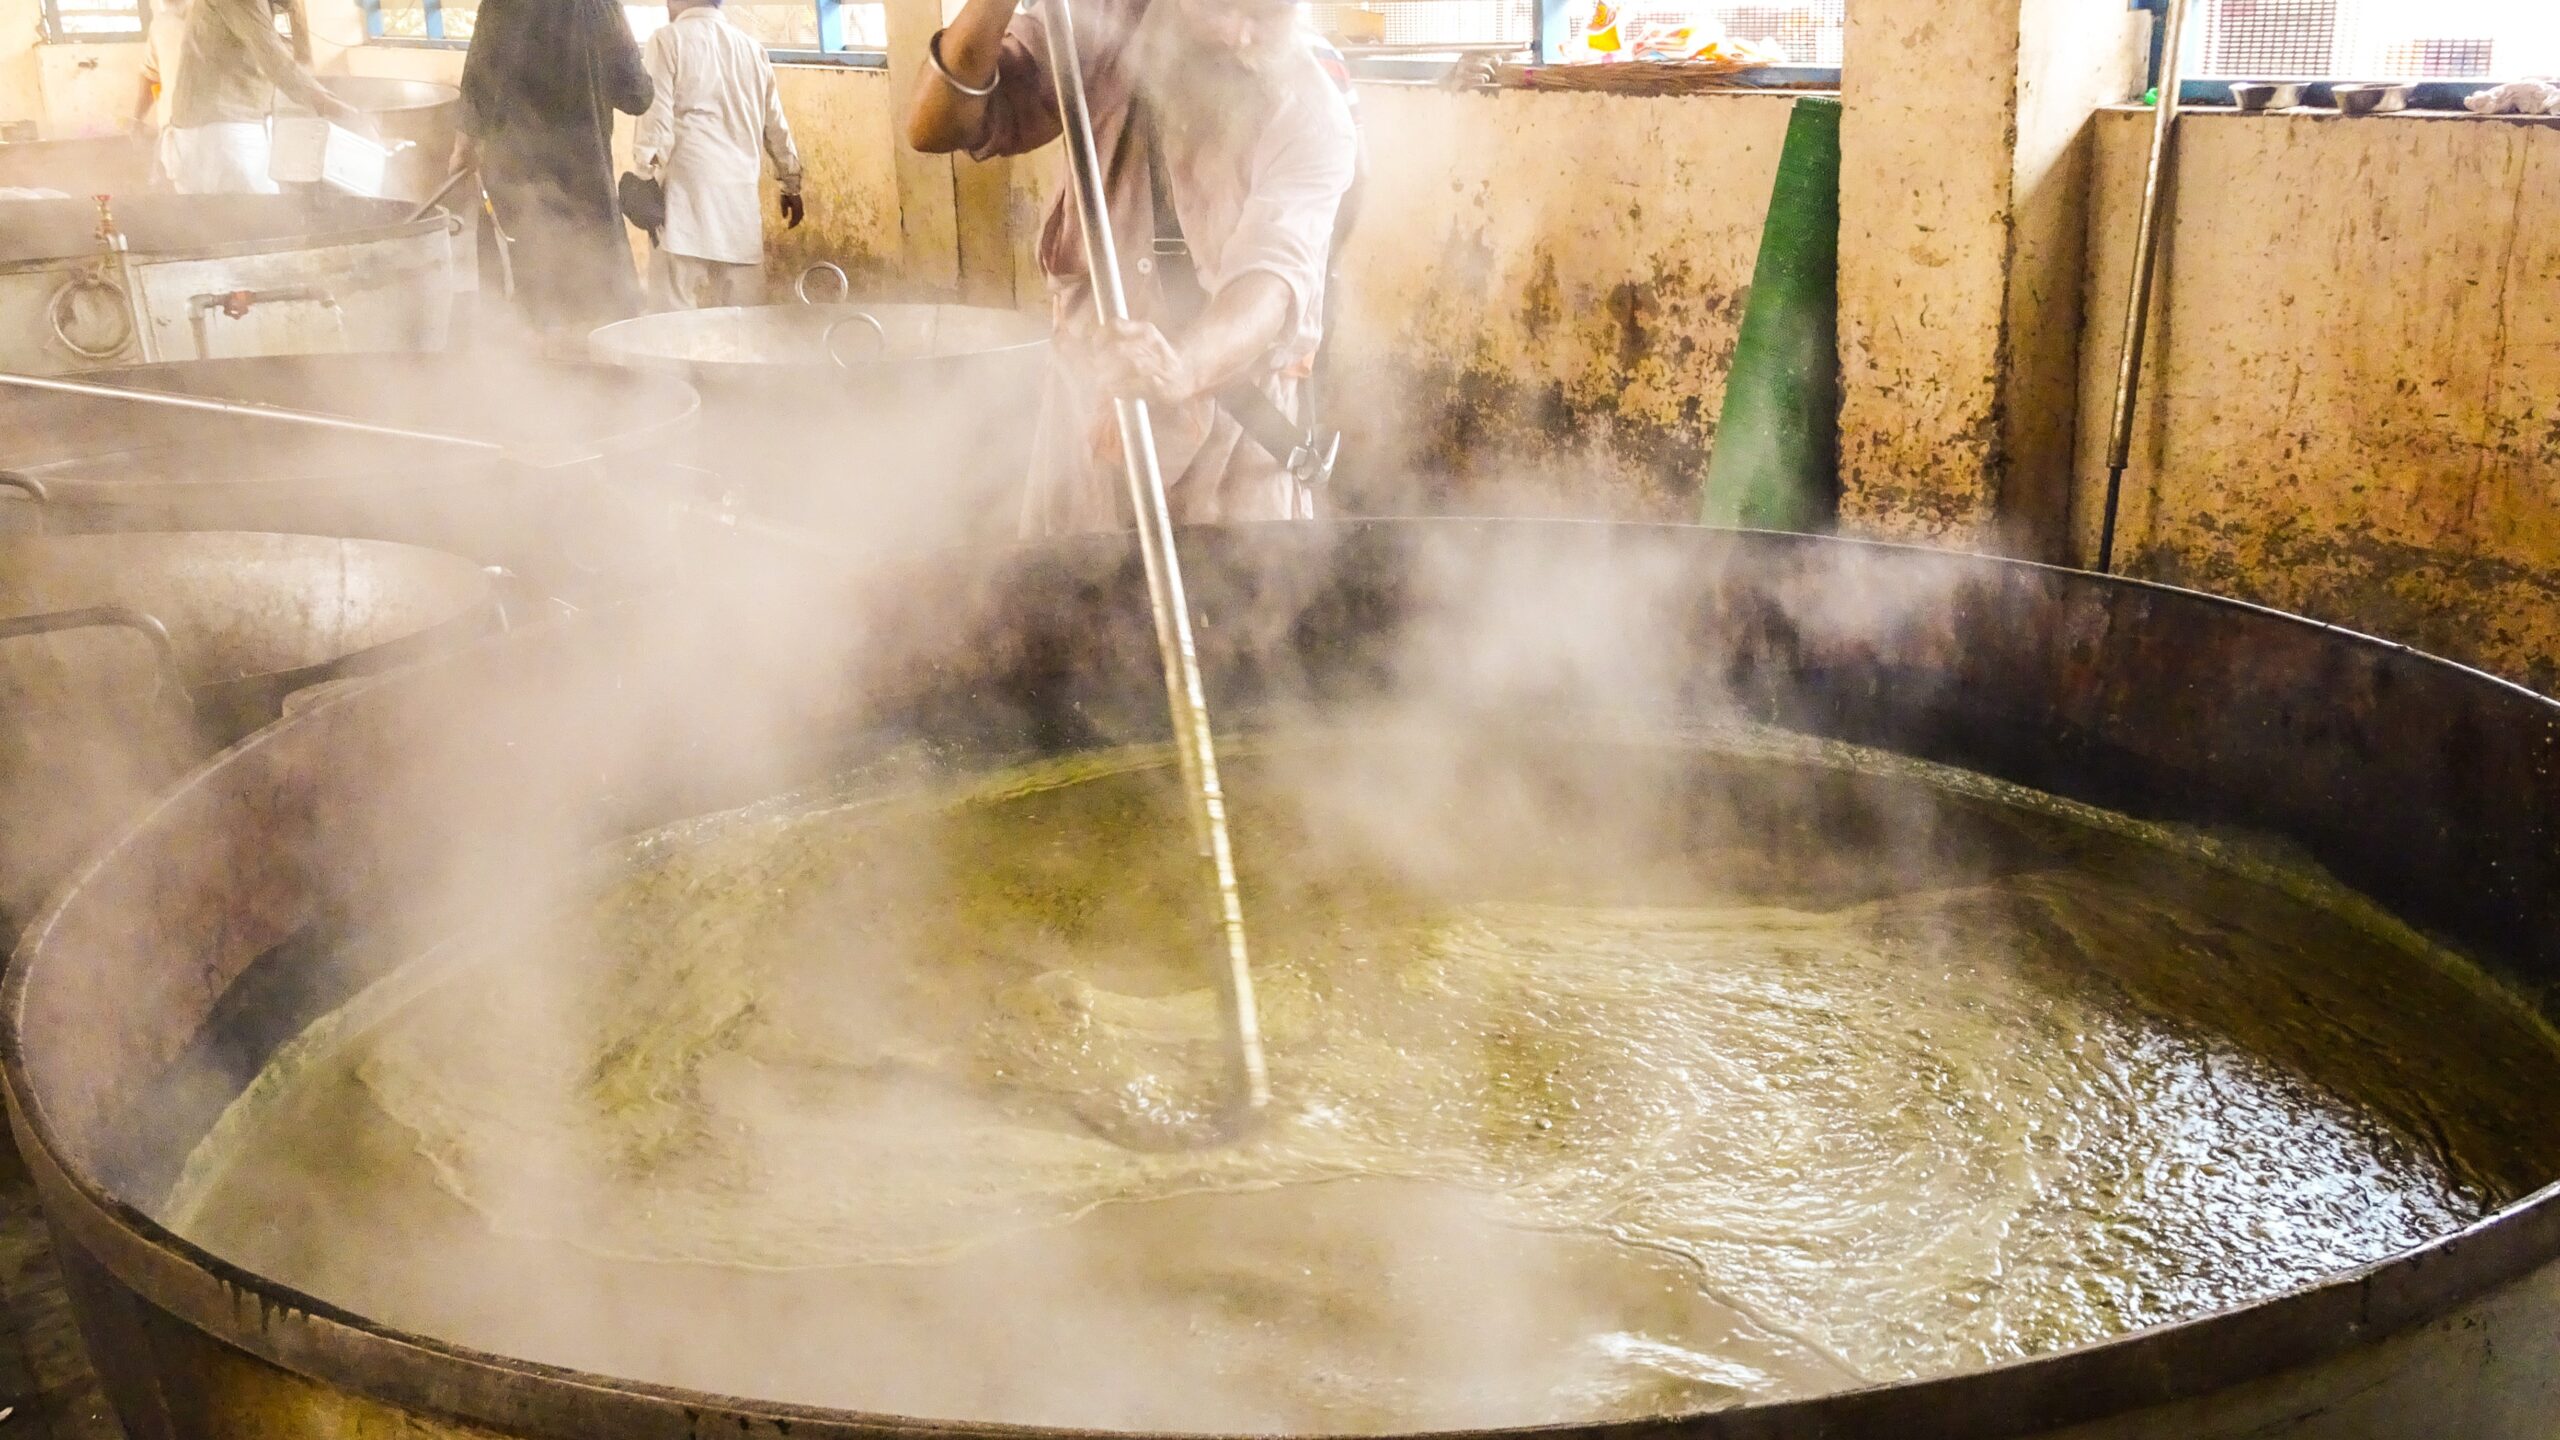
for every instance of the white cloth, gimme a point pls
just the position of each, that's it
(716, 112)
(2520, 97)
(682, 282)
(228, 157)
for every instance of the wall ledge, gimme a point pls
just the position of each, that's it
(2321, 115)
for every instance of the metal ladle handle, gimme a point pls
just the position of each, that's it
(844, 283)
(451, 182)
(879, 335)
(1186, 695)
(122, 617)
(205, 404)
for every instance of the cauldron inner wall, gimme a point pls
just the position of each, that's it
(2430, 787)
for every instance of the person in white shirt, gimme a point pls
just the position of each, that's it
(716, 107)
(234, 68)
(163, 47)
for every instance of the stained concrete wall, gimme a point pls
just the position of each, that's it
(1543, 296)
(2351, 406)
(89, 89)
(1964, 150)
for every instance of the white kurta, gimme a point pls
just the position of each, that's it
(227, 157)
(1256, 196)
(716, 114)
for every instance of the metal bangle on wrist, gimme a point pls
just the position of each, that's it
(933, 57)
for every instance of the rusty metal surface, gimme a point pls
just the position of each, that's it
(114, 163)
(91, 731)
(106, 466)
(2432, 788)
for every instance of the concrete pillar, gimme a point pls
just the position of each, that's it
(953, 212)
(1965, 157)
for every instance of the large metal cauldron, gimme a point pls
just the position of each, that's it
(82, 165)
(886, 425)
(419, 113)
(71, 463)
(204, 276)
(2433, 788)
(125, 659)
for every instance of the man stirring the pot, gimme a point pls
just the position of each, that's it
(1220, 108)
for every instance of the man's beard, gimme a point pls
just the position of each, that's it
(1204, 97)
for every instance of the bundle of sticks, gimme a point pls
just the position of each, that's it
(1630, 77)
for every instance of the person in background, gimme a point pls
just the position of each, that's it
(716, 116)
(163, 53)
(1258, 150)
(223, 99)
(539, 90)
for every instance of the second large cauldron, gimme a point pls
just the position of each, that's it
(72, 464)
(885, 426)
(333, 846)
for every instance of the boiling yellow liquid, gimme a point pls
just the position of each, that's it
(1614, 1079)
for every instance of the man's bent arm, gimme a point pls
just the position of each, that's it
(1232, 337)
(1228, 342)
(939, 118)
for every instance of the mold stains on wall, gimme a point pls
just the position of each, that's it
(1543, 295)
(2351, 405)
(1926, 226)
(842, 119)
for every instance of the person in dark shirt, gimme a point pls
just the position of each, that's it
(538, 94)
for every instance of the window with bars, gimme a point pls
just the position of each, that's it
(75, 21)
(2378, 39)
(807, 27)
(1386, 25)
(1807, 32)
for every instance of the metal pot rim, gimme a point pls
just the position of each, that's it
(473, 584)
(626, 344)
(615, 438)
(368, 233)
(2156, 1365)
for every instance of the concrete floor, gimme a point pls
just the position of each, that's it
(45, 1379)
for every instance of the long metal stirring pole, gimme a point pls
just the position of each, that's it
(1183, 690)
(2146, 259)
(248, 409)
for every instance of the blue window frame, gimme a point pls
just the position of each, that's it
(831, 32)
(1417, 39)
(93, 21)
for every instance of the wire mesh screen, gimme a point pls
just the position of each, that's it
(93, 19)
(1408, 24)
(2379, 39)
(1807, 32)
(2244, 38)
